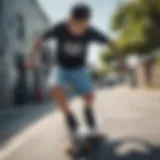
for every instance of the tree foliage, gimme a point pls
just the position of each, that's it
(107, 55)
(101, 72)
(98, 73)
(138, 25)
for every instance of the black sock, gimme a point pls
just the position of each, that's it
(71, 122)
(89, 116)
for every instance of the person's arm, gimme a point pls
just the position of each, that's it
(97, 36)
(113, 46)
(29, 63)
(37, 46)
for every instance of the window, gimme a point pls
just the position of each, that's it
(3, 43)
(33, 1)
(20, 27)
(19, 62)
(1, 50)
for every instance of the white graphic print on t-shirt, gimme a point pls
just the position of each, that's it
(73, 48)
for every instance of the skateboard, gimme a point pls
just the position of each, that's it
(82, 144)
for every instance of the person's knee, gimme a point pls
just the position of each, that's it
(88, 98)
(56, 91)
(59, 97)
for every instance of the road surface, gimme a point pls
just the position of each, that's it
(14, 120)
(129, 118)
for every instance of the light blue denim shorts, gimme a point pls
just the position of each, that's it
(79, 79)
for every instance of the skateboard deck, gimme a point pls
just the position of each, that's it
(82, 144)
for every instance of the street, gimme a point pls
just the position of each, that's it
(129, 118)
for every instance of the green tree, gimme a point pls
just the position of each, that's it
(101, 72)
(138, 25)
(106, 56)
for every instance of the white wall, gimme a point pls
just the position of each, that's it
(35, 23)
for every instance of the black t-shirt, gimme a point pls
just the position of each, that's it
(71, 49)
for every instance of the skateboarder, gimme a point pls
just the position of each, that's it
(73, 36)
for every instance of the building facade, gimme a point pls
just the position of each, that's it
(22, 21)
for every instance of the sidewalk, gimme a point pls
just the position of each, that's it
(15, 120)
(128, 117)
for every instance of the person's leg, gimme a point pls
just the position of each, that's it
(59, 97)
(83, 85)
(89, 110)
(57, 81)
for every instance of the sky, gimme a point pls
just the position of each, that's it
(102, 13)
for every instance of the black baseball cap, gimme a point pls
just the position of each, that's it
(81, 11)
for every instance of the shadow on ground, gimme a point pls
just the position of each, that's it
(127, 149)
(15, 121)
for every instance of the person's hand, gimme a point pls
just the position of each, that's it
(29, 63)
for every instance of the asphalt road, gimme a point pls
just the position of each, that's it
(129, 118)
